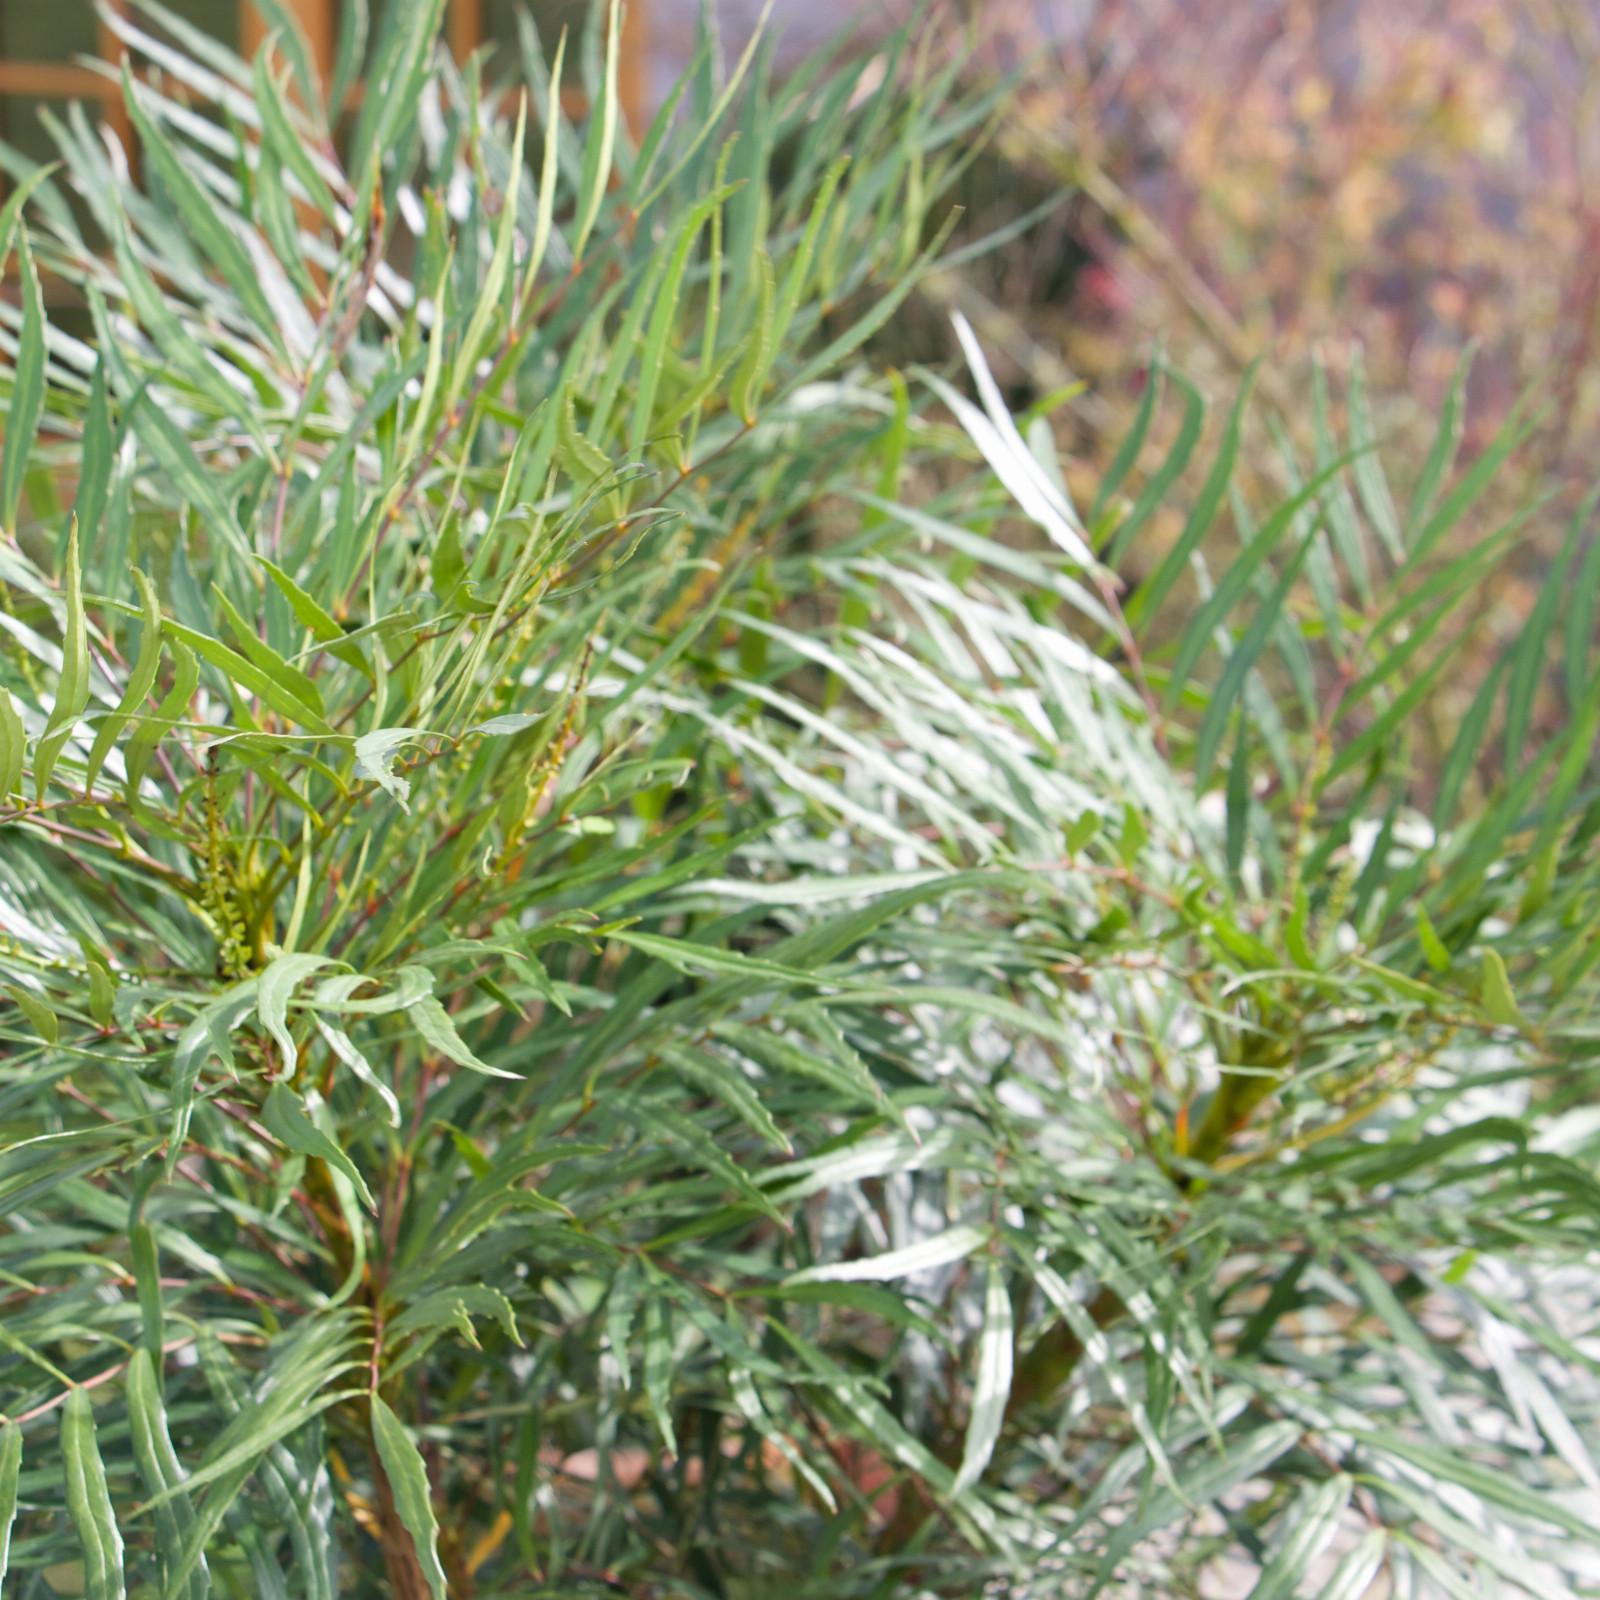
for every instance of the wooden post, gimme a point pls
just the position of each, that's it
(111, 106)
(633, 67)
(319, 19)
(464, 27)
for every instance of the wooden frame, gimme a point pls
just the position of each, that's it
(464, 24)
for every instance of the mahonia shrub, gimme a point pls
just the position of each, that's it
(634, 963)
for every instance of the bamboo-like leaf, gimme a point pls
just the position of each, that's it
(1352, 1578)
(744, 391)
(1198, 635)
(992, 1386)
(41, 1017)
(140, 681)
(273, 989)
(1316, 1522)
(94, 471)
(162, 1473)
(89, 1500)
(954, 1244)
(1446, 440)
(1167, 474)
(1366, 468)
(1469, 739)
(1240, 662)
(547, 181)
(1498, 999)
(352, 53)
(27, 393)
(340, 1043)
(1528, 659)
(201, 215)
(598, 152)
(658, 1350)
(438, 1031)
(284, 1116)
(1128, 451)
(174, 707)
(13, 747)
(727, 1084)
(664, 315)
(276, 690)
(278, 128)
(10, 1473)
(492, 292)
(72, 688)
(1513, 431)
(408, 1481)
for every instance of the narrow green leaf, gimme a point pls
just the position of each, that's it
(11, 212)
(658, 1353)
(597, 155)
(1317, 1514)
(408, 1480)
(1407, 988)
(162, 1473)
(1446, 440)
(1122, 463)
(1581, 611)
(1464, 751)
(491, 294)
(72, 689)
(89, 1501)
(27, 393)
(1367, 469)
(438, 1032)
(1171, 469)
(1515, 429)
(1433, 947)
(1239, 796)
(622, 1301)
(140, 681)
(273, 989)
(1150, 595)
(1352, 1578)
(744, 390)
(954, 1244)
(284, 1116)
(94, 466)
(725, 1082)
(174, 707)
(991, 1388)
(13, 747)
(1496, 994)
(664, 318)
(1198, 636)
(1528, 659)
(278, 129)
(147, 1279)
(344, 1049)
(10, 1472)
(551, 109)
(352, 53)
(1244, 656)
(251, 677)
(1341, 516)
(202, 215)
